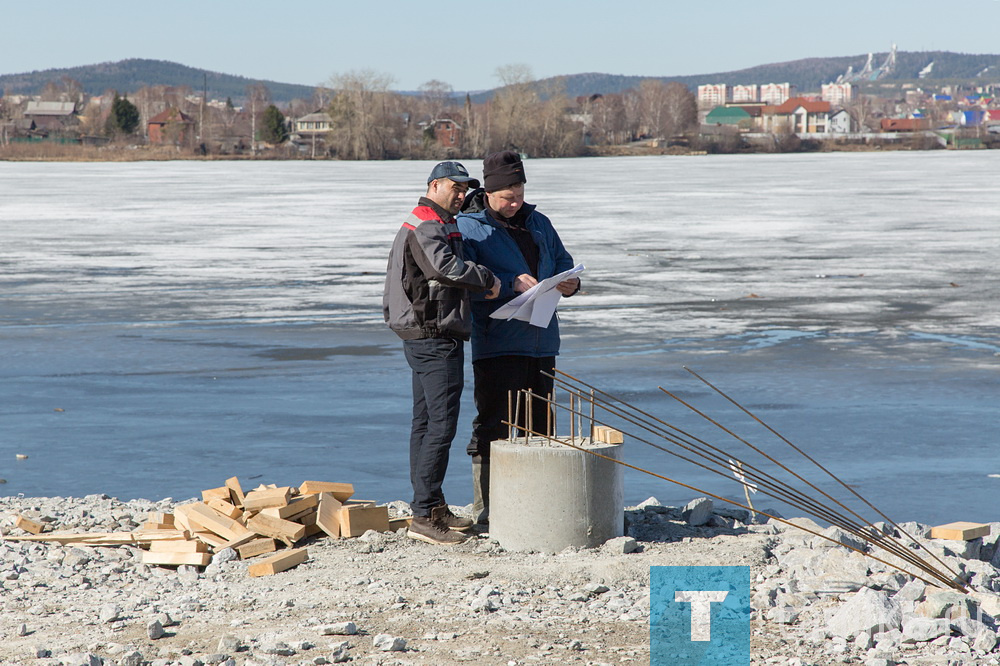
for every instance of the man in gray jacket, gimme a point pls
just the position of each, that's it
(426, 303)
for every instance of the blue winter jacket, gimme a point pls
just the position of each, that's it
(488, 244)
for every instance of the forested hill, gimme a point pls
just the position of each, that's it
(128, 76)
(806, 74)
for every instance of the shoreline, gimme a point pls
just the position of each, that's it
(472, 602)
(43, 152)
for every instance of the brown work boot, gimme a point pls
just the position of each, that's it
(451, 520)
(433, 530)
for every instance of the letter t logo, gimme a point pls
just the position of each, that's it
(701, 610)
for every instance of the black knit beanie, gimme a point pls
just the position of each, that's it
(501, 170)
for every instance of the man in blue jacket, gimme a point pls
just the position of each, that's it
(520, 246)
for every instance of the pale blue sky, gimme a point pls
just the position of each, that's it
(308, 41)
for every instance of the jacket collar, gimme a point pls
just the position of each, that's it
(442, 214)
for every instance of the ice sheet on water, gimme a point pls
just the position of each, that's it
(174, 304)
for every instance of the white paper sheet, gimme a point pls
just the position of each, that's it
(537, 305)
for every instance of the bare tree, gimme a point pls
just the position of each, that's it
(511, 106)
(363, 115)
(436, 96)
(258, 98)
(680, 112)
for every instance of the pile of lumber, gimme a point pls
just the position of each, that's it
(252, 523)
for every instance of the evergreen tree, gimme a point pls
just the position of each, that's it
(124, 116)
(274, 130)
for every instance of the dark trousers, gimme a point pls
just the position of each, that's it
(495, 378)
(437, 365)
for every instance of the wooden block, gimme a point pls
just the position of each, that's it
(279, 562)
(960, 531)
(328, 514)
(357, 502)
(203, 516)
(225, 508)
(196, 559)
(294, 508)
(160, 517)
(356, 520)
(211, 539)
(181, 517)
(29, 525)
(276, 528)
(235, 490)
(236, 543)
(607, 435)
(255, 500)
(312, 530)
(218, 493)
(398, 524)
(152, 527)
(341, 491)
(256, 547)
(178, 546)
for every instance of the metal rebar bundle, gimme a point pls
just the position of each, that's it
(589, 403)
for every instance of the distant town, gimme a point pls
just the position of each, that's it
(357, 117)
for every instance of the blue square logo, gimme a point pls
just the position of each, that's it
(699, 616)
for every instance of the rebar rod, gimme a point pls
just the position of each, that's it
(862, 531)
(817, 463)
(954, 584)
(775, 488)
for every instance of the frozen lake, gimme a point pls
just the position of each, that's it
(168, 325)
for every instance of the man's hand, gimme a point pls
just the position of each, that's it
(568, 287)
(524, 282)
(494, 290)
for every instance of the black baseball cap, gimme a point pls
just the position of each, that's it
(452, 171)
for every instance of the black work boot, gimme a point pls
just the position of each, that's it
(452, 521)
(481, 490)
(433, 529)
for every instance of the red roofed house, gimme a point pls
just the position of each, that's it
(798, 115)
(171, 127)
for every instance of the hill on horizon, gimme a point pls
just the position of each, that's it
(128, 76)
(807, 74)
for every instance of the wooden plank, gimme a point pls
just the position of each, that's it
(221, 493)
(181, 516)
(328, 514)
(203, 516)
(356, 520)
(280, 562)
(196, 559)
(157, 526)
(235, 543)
(100, 538)
(257, 547)
(960, 531)
(235, 490)
(255, 500)
(210, 539)
(607, 435)
(294, 508)
(277, 528)
(357, 502)
(160, 517)
(398, 524)
(178, 546)
(225, 508)
(341, 491)
(29, 525)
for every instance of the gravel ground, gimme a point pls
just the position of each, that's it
(386, 599)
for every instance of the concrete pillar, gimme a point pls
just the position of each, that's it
(545, 496)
